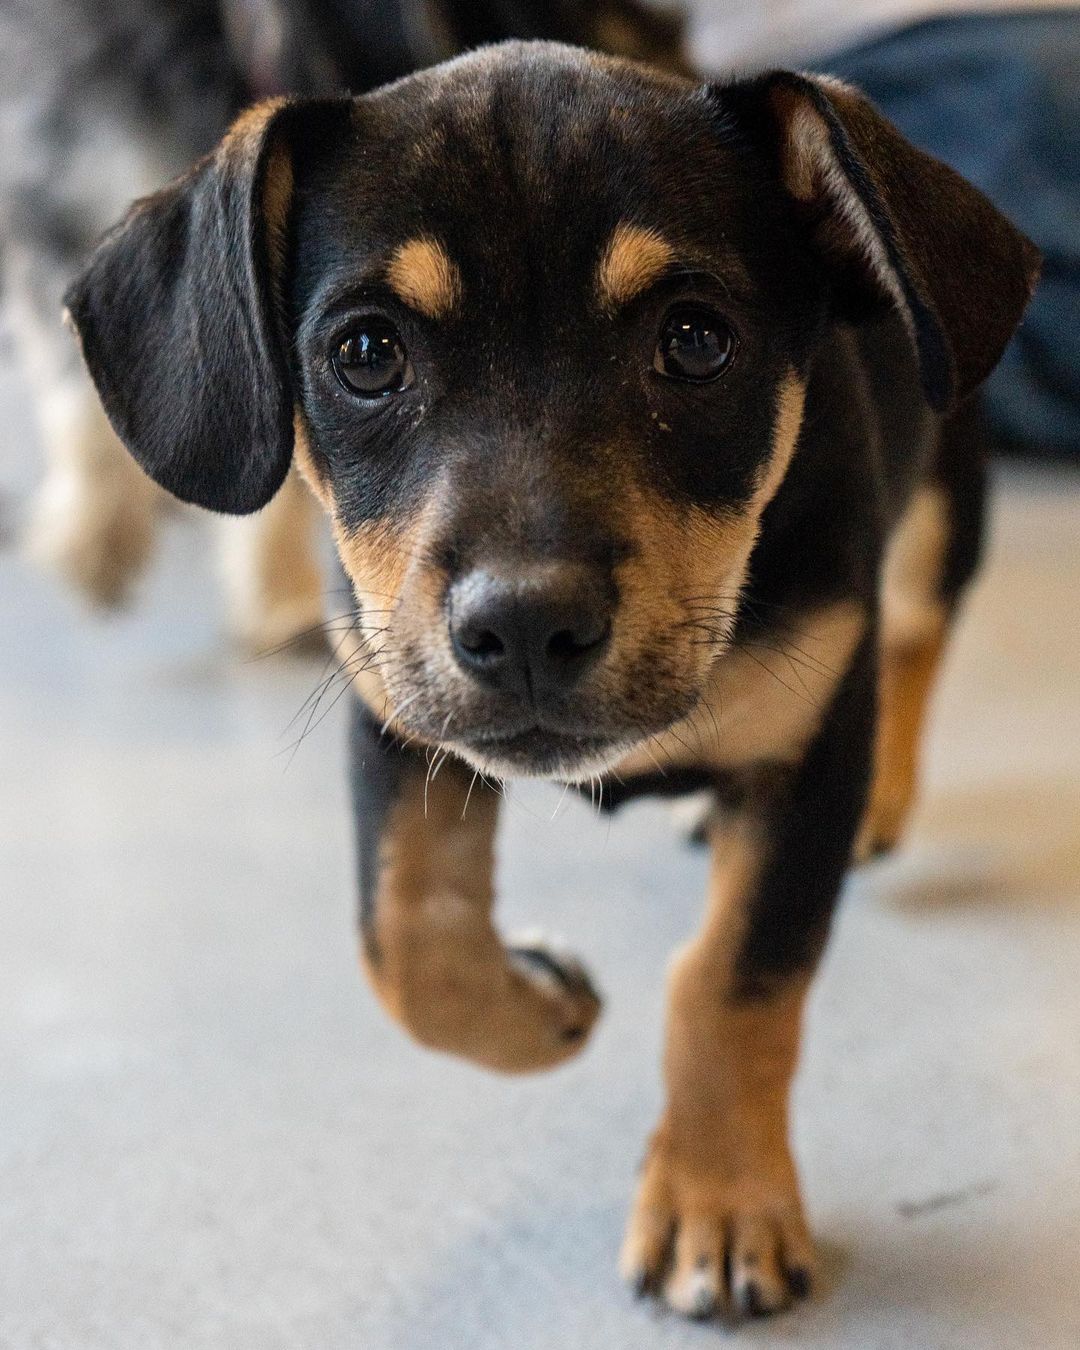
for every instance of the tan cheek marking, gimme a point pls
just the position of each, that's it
(349, 646)
(401, 593)
(770, 702)
(425, 277)
(680, 554)
(791, 400)
(633, 259)
(697, 553)
(762, 705)
(306, 463)
(376, 558)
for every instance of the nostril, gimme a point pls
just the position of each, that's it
(568, 643)
(532, 632)
(482, 644)
(562, 646)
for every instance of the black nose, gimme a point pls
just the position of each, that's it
(534, 631)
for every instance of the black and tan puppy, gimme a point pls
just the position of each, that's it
(640, 412)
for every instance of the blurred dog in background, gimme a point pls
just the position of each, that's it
(101, 102)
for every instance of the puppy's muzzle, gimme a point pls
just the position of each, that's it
(531, 632)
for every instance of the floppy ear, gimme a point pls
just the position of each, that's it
(895, 223)
(178, 312)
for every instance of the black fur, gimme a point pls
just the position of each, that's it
(378, 763)
(184, 310)
(809, 828)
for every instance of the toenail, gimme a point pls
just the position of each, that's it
(799, 1281)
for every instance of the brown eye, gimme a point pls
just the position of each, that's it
(695, 344)
(372, 361)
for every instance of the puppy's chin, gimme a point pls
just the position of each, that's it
(543, 754)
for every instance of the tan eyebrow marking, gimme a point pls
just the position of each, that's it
(425, 277)
(634, 257)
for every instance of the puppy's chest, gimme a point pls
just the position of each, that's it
(763, 703)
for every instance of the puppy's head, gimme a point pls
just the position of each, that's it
(536, 326)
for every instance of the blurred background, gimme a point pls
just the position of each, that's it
(209, 1137)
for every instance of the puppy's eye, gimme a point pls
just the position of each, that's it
(695, 344)
(372, 361)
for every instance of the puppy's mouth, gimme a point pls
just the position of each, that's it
(542, 752)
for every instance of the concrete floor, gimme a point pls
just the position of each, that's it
(211, 1138)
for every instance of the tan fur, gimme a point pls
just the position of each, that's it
(434, 956)
(376, 556)
(277, 203)
(246, 129)
(305, 462)
(368, 556)
(762, 703)
(905, 685)
(719, 1174)
(272, 576)
(682, 555)
(913, 629)
(633, 259)
(790, 404)
(95, 513)
(425, 277)
(912, 610)
(687, 557)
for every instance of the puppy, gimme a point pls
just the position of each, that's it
(641, 413)
(104, 101)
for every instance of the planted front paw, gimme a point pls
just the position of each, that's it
(707, 1242)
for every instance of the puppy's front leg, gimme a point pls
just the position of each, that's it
(429, 943)
(718, 1221)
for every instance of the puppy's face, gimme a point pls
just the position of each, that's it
(550, 324)
(537, 326)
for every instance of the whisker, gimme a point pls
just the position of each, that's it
(468, 795)
(646, 746)
(445, 756)
(498, 787)
(398, 711)
(783, 683)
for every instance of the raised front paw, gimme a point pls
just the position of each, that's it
(709, 1243)
(567, 1001)
(519, 1009)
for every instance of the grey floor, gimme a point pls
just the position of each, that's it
(210, 1137)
